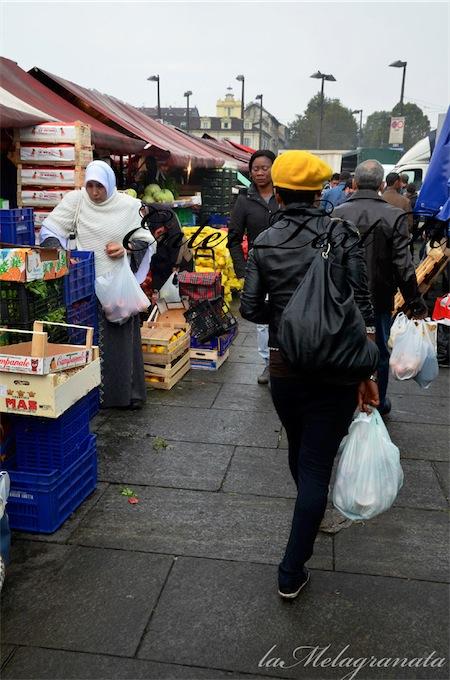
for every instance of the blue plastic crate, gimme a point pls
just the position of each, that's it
(220, 343)
(79, 283)
(41, 501)
(216, 219)
(94, 402)
(82, 313)
(17, 226)
(52, 444)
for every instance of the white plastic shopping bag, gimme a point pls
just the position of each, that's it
(120, 294)
(170, 291)
(398, 326)
(369, 475)
(430, 367)
(4, 491)
(409, 350)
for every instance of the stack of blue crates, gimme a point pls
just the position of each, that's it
(54, 468)
(17, 226)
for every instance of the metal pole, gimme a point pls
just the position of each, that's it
(403, 90)
(187, 113)
(319, 136)
(360, 128)
(242, 111)
(260, 121)
(159, 101)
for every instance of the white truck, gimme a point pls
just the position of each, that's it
(415, 162)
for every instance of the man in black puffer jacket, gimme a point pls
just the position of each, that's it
(251, 215)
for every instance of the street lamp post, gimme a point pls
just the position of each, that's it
(241, 79)
(360, 111)
(322, 77)
(401, 64)
(187, 94)
(155, 79)
(260, 97)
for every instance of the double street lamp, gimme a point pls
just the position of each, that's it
(360, 111)
(155, 79)
(187, 94)
(241, 79)
(260, 97)
(401, 64)
(322, 77)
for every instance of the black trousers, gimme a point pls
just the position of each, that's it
(316, 417)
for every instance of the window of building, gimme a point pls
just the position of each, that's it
(182, 124)
(205, 124)
(228, 111)
(225, 125)
(247, 141)
(247, 125)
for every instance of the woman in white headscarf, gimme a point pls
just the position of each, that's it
(96, 219)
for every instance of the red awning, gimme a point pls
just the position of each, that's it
(183, 148)
(20, 84)
(235, 151)
(15, 113)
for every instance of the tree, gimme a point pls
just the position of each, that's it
(339, 128)
(376, 129)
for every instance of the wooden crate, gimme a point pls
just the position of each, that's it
(40, 176)
(172, 351)
(159, 335)
(207, 359)
(426, 273)
(165, 377)
(40, 198)
(47, 395)
(74, 132)
(58, 155)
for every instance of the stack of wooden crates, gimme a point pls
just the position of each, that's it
(165, 346)
(51, 159)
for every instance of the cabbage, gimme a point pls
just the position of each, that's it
(130, 192)
(152, 189)
(166, 196)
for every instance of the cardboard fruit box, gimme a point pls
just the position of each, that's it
(39, 357)
(32, 263)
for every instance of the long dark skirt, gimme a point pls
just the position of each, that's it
(122, 364)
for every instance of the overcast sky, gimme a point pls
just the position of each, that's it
(201, 46)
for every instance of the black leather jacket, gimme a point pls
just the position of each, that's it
(251, 215)
(281, 257)
(385, 232)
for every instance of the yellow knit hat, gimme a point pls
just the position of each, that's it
(300, 171)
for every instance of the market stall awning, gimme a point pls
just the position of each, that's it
(232, 150)
(15, 113)
(184, 149)
(434, 192)
(21, 85)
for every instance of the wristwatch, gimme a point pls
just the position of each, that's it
(370, 330)
(373, 378)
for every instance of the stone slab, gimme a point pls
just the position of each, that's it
(251, 340)
(80, 599)
(209, 426)
(402, 542)
(421, 442)
(254, 398)
(181, 465)
(230, 372)
(421, 487)
(443, 472)
(239, 607)
(185, 394)
(418, 409)
(263, 472)
(71, 523)
(6, 652)
(240, 339)
(439, 388)
(31, 663)
(199, 523)
(245, 355)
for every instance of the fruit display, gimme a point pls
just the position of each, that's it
(154, 194)
(222, 259)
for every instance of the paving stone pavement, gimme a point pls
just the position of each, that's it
(183, 584)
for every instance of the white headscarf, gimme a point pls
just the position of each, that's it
(99, 171)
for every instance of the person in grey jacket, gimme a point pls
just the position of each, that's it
(385, 232)
(251, 215)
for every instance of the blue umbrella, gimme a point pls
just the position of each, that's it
(434, 193)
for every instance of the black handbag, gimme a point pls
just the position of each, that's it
(322, 333)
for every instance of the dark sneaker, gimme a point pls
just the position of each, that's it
(263, 379)
(289, 593)
(385, 408)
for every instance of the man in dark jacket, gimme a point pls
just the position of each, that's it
(251, 215)
(384, 230)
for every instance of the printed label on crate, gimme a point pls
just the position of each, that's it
(43, 198)
(53, 177)
(41, 366)
(55, 154)
(53, 133)
(39, 217)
